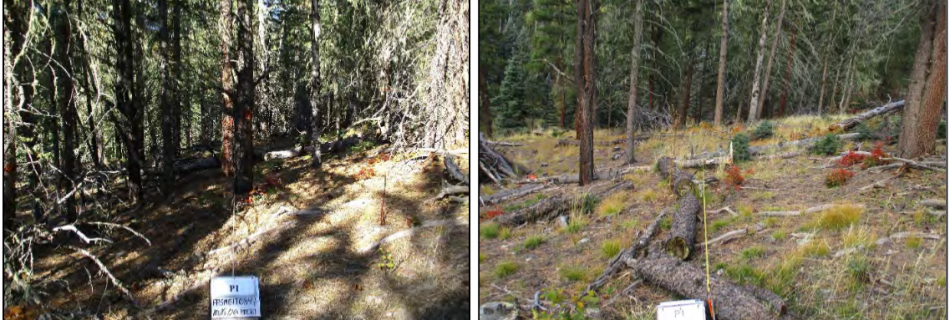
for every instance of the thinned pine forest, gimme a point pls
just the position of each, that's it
(779, 159)
(320, 145)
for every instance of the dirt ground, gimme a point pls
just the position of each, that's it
(822, 271)
(314, 266)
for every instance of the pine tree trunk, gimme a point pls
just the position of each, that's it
(924, 99)
(67, 107)
(317, 158)
(821, 95)
(586, 90)
(227, 87)
(681, 113)
(698, 115)
(721, 78)
(167, 114)
(176, 87)
(788, 74)
(579, 121)
(9, 138)
(768, 69)
(244, 108)
(634, 76)
(124, 88)
(756, 76)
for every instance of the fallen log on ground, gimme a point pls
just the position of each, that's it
(728, 236)
(732, 302)
(633, 252)
(452, 190)
(550, 207)
(918, 165)
(681, 182)
(683, 231)
(454, 170)
(521, 191)
(413, 230)
(811, 210)
(936, 203)
(621, 141)
(327, 147)
(849, 123)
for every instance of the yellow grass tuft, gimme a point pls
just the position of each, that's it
(838, 217)
(612, 205)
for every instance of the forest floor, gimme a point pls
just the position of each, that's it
(826, 265)
(315, 266)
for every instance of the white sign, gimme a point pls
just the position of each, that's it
(235, 297)
(681, 310)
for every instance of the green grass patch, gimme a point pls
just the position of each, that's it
(838, 217)
(779, 235)
(666, 223)
(719, 224)
(612, 205)
(489, 231)
(753, 252)
(574, 273)
(575, 226)
(533, 242)
(745, 274)
(527, 203)
(610, 249)
(505, 269)
(504, 233)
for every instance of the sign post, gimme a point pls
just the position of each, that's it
(683, 309)
(235, 298)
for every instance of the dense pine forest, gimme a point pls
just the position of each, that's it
(149, 146)
(774, 159)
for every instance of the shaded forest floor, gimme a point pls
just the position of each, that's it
(823, 269)
(313, 266)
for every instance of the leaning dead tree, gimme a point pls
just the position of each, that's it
(665, 263)
(854, 121)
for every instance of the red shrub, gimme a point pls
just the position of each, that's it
(493, 213)
(851, 159)
(838, 177)
(876, 157)
(365, 173)
(734, 178)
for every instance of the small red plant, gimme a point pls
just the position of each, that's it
(734, 178)
(365, 173)
(838, 177)
(877, 156)
(851, 159)
(493, 213)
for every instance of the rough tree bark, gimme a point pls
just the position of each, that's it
(681, 113)
(227, 90)
(918, 127)
(768, 66)
(167, 94)
(754, 102)
(244, 108)
(634, 76)
(721, 78)
(586, 89)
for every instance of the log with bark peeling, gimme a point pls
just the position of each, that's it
(633, 252)
(849, 123)
(454, 171)
(730, 301)
(549, 207)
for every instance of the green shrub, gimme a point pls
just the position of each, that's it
(942, 130)
(753, 252)
(574, 273)
(827, 145)
(763, 131)
(740, 148)
(589, 203)
(865, 132)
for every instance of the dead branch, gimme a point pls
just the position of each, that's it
(519, 192)
(411, 231)
(915, 164)
(452, 190)
(81, 235)
(634, 251)
(728, 236)
(935, 203)
(112, 278)
(854, 121)
(550, 207)
(454, 171)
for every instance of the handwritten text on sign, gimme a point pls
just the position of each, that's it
(235, 297)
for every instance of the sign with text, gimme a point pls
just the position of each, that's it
(683, 309)
(233, 297)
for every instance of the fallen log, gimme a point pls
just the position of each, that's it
(452, 190)
(413, 230)
(814, 209)
(551, 207)
(728, 236)
(916, 165)
(732, 302)
(511, 193)
(936, 203)
(621, 141)
(328, 147)
(849, 123)
(683, 231)
(907, 234)
(454, 170)
(601, 174)
(633, 252)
